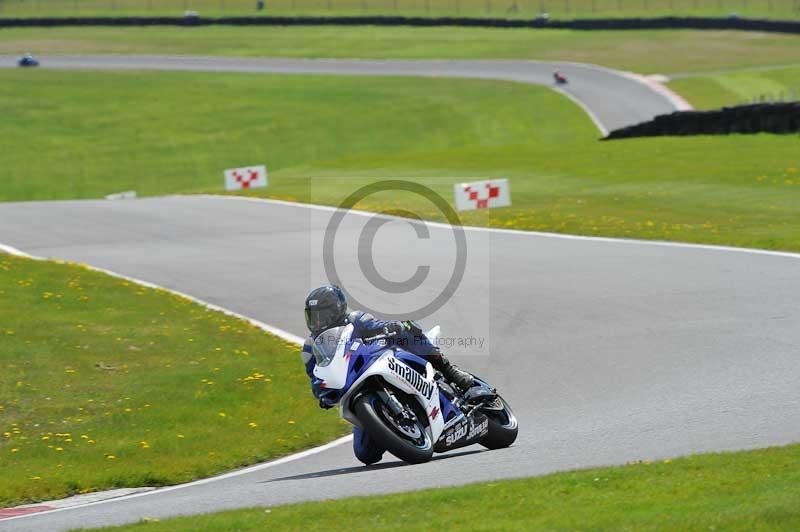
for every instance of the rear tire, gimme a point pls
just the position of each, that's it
(368, 410)
(503, 426)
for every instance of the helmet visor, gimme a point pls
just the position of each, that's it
(320, 319)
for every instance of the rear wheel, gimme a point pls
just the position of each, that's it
(503, 425)
(405, 437)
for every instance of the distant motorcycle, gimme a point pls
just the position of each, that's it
(27, 60)
(402, 403)
(559, 78)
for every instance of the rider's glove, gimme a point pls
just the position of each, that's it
(325, 403)
(327, 398)
(316, 388)
(393, 328)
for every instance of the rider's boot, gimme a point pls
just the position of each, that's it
(451, 373)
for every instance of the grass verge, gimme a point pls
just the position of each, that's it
(752, 490)
(662, 51)
(714, 90)
(104, 383)
(323, 137)
(562, 9)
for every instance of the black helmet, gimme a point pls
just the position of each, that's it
(326, 307)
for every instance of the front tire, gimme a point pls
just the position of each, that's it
(413, 445)
(503, 427)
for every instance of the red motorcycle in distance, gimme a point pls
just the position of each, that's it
(560, 78)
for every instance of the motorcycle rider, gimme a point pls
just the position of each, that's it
(325, 308)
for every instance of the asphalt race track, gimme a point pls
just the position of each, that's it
(615, 99)
(609, 351)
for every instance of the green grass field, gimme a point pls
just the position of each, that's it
(646, 52)
(322, 137)
(107, 384)
(713, 90)
(755, 490)
(560, 9)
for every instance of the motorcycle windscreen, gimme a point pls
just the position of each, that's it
(328, 343)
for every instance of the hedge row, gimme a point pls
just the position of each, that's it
(730, 23)
(755, 118)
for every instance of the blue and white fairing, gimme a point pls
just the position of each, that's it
(344, 364)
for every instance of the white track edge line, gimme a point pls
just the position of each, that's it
(540, 234)
(14, 251)
(574, 99)
(236, 473)
(268, 328)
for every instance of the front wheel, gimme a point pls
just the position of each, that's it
(407, 439)
(503, 425)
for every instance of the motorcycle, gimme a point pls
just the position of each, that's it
(27, 60)
(559, 78)
(402, 403)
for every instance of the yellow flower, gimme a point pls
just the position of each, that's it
(252, 424)
(14, 450)
(111, 457)
(59, 449)
(291, 422)
(222, 414)
(36, 478)
(181, 436)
